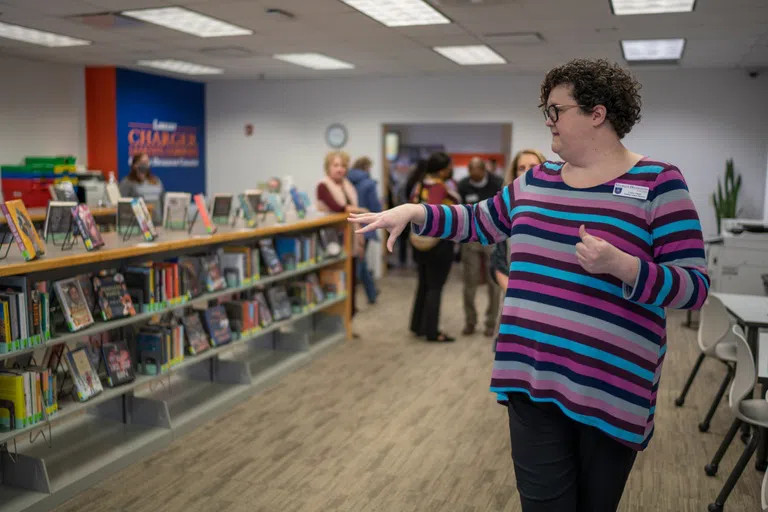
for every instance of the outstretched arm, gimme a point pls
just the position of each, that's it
(487, 222)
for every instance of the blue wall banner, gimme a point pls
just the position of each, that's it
(165, 118)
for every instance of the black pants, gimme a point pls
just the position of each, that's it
(433, 267)
(562, 465)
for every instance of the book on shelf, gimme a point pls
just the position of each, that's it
(249, 213)
(73, 303)
(269, 257)
(159, 347)
(217, 325)
(330, 242)
(23, 230)
(85, 379)
(86, 226)
(221, 208)
(333, 282)
(197, 340)
(59, 220)
(298, 202)
(86, 284)
(124, 217)
(113, 193)
(176, 210)
(144, 219)
(279, 302)
(276, 206)
(29, 396)
(212, 274)
(63, 191)
(243, 316)
(316, 289)
(24, 308)
(114, 299)
(265, 315)
(118, 363)
(202, 213)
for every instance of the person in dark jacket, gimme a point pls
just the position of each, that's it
(480, 185)
(367, 197)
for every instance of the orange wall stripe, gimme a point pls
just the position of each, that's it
(101, 118)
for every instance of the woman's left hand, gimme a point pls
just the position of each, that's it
(597, 256)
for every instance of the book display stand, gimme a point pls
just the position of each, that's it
(83, 442)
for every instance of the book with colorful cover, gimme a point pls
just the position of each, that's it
(197, 339)
(84, 377)
(202, 212)
(298, 202)
(114, 299)
(143, 219)
(249, 214)
(23, 229)
(87, 227)
(217, 323)
(117, 360)
(73, 303)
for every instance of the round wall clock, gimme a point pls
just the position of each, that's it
(336, 135)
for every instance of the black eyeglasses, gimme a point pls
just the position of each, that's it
(552, 112)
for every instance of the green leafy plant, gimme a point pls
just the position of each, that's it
(725, 201)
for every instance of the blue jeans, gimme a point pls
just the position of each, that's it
(365, 276)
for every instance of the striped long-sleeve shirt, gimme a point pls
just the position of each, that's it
(588, 343)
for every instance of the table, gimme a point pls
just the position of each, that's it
(751, 313)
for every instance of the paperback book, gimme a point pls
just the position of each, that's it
(73, 303)
(59, 220)
(114, 299)
(87, 227)
(23, 229)
(86, 381)
(222, 208)
(176, 210)
(117, 360)
(202, 213)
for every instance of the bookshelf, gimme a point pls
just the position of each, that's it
(45, 464)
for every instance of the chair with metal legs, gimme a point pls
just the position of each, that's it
(715, 341)
(752, 411)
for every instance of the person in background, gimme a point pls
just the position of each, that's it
(524, 161)
(141, 182)
(405, 193)
(433, 259)
(480, 185)
(368, 197)
(604, 243)
(335, 193)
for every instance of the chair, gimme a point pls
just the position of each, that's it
(752, 411)
(715, 341)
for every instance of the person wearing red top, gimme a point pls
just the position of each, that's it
(335, 193)
(433, 260)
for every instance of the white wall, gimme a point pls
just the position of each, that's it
(695, 119)
(42, 110)
(457, 138)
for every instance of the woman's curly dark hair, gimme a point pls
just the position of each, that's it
(599, 82)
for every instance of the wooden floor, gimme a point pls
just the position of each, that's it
(388, 423)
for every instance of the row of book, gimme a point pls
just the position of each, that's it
(31, 315)
(66, 219)
(31, 394)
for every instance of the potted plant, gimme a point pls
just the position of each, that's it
(727, 195)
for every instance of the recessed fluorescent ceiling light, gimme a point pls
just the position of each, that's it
(399, 13)
(184, 20)
(624, 7)
(314, 61)
(471, 55)
(32, 36)
(648, 50)
(180, 66)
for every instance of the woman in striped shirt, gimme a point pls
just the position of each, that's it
(602, 243)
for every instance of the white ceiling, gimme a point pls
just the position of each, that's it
(719, 34)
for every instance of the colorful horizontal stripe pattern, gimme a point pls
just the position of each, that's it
(588, 343)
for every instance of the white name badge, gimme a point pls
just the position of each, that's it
(633, 191)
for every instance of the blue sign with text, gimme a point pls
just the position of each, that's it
(165, 118)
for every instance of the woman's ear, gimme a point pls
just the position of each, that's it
(599, 113)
